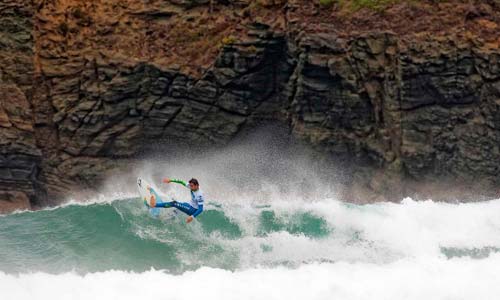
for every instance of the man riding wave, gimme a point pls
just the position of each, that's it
(193, 209)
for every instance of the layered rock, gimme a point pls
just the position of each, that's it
(419, 115)
(104, 107)
(89, 86)
(20, 157)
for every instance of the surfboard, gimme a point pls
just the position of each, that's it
(147, 197)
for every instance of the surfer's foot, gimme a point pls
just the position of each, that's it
(152, 201)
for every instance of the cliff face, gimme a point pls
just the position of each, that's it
(20, 158)
(88, 86)
(416, 114)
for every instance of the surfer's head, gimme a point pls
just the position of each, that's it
(193, 184)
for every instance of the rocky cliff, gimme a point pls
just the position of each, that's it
(406, 99)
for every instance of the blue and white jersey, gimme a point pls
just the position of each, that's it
(197, 198)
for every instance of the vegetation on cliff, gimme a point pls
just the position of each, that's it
(189, 34)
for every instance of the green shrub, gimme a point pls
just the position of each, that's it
(371, 4)
(252, 49)
(326, 3)
(228, 40)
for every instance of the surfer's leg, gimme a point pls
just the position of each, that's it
(152, 190)
(158, 200)
(184, 207)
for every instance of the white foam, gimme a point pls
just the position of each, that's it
(377, 233)
(382, 232)
(404, 279)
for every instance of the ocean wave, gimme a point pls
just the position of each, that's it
(122, 235)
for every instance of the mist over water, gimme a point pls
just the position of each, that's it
(252, 169)
(273, 228)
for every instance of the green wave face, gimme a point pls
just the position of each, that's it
(123, 235)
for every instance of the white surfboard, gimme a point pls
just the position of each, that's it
(146, 196)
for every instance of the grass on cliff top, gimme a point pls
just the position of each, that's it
(354, 5)
(371, 4)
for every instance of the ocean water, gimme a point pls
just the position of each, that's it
(273, 228)
(325, 249)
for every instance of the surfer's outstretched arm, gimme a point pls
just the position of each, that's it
(168, 180)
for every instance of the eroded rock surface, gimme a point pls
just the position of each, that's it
(87, 86)
(415, 114)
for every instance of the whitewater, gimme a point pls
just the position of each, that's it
(273, 228)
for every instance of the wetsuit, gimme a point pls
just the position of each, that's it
(191, 209)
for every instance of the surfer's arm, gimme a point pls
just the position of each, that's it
(198, 211)
(168, 180)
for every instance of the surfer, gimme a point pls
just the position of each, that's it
(192, 209)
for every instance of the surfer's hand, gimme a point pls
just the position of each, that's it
(189, 219)
(166, 180)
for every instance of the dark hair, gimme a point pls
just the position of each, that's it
(194, 181)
